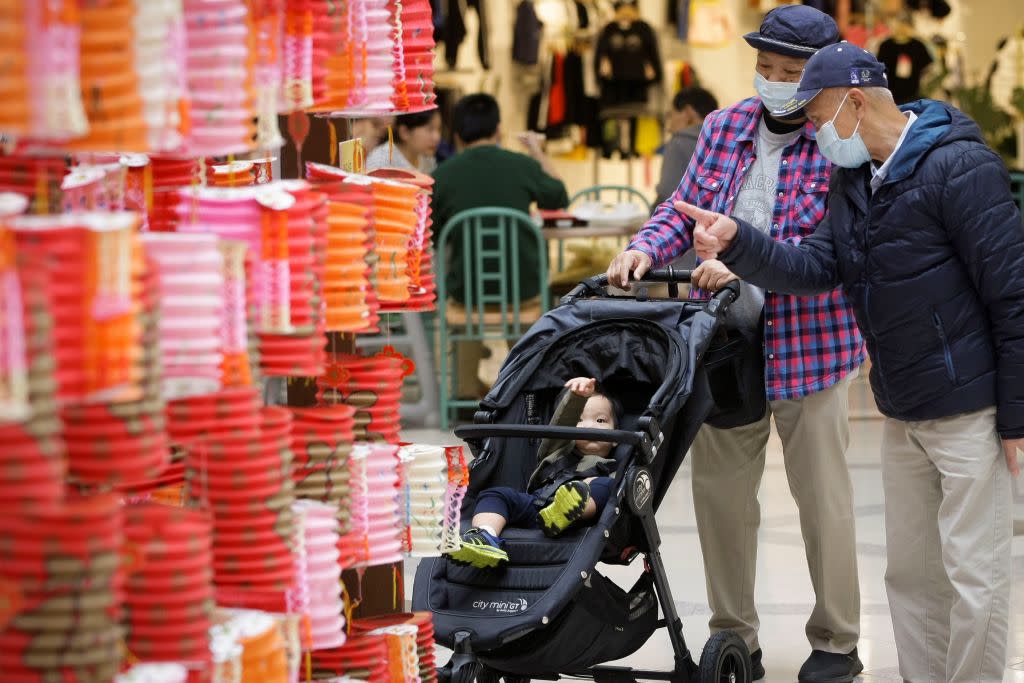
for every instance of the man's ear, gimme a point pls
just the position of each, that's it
(858, 100)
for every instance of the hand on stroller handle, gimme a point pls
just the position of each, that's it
(597, 286)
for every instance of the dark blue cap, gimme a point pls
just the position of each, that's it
(794, 31)
(843, 65)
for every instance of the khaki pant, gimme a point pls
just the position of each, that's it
(948, 531)
(467, 372)
(727, 470)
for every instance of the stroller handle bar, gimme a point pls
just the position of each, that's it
(598, 286)
(482, 431)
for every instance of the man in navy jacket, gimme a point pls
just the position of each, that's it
(924, 237)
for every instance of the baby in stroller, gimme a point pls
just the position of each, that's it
(571, 484)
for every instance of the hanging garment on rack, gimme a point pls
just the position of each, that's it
(630, 50)
(437, 8)
(526, 34)
(556, 97)
(582, 16)
(710, 24)
(682, 18)
(575, 97)
(455, 31)
(685, 76)
(904, 62)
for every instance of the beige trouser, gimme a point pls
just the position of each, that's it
(948, 531)
(467, 373)
(727, 470)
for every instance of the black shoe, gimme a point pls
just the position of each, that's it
(756, 668)
(829, 667)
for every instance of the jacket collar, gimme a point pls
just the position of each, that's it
(752, 111)
(932, 124)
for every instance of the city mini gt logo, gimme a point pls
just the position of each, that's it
(514, 606)
(642, 489)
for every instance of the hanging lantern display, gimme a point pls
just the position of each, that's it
(321, 573)
(160, 58)
(220, 77)
(371, 385)
(63, 589)
(424, 498)
(190, 270)
(169, 588)
(150, 277)
(422, 625)
(123, 443)
(245, 480)
(365, 656)
(34, 456)
(422, 287)
(111, 82)
(89, 259)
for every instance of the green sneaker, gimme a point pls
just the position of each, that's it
(481, 550)
(565, 510)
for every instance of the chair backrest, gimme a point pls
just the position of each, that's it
(1017, 189)
(620, 193)
(489, 242)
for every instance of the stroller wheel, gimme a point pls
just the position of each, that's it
(725, 659)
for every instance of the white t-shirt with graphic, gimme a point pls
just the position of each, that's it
(755, 203)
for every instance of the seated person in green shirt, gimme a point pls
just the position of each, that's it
(483, 174)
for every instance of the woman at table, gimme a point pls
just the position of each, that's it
(415, 144)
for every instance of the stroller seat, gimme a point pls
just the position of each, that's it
(516, 617)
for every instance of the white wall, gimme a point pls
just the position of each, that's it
(983, 23)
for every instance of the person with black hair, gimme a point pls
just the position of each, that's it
(572, 483)
(483, 174)
(415, 144)
(689, 108)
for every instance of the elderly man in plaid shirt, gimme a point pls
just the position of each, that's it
(770, 172)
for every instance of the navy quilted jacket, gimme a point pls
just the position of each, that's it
(933, 264)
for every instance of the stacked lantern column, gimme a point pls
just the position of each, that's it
(158, 521)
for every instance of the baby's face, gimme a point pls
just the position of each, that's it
(597, 414)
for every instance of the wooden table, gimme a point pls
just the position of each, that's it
(623, 231)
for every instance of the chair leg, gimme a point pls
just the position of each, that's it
(423, 356)
(444, 377)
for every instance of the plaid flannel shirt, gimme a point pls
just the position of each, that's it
(810, 342)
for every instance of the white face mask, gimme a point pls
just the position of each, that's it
(774, 95)
(848, 152)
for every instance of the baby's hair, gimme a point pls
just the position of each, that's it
(600, 390)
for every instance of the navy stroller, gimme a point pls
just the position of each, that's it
(673, 365)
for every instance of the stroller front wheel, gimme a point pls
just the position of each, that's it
(725, 659)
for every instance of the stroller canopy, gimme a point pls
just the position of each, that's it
(623, 344)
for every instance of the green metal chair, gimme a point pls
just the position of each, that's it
(492, 309)
(1017, 189)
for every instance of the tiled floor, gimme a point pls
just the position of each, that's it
(784, 594)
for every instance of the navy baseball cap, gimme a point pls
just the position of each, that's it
(843, 65)
(794, 31)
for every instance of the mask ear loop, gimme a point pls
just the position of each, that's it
(839, 109)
